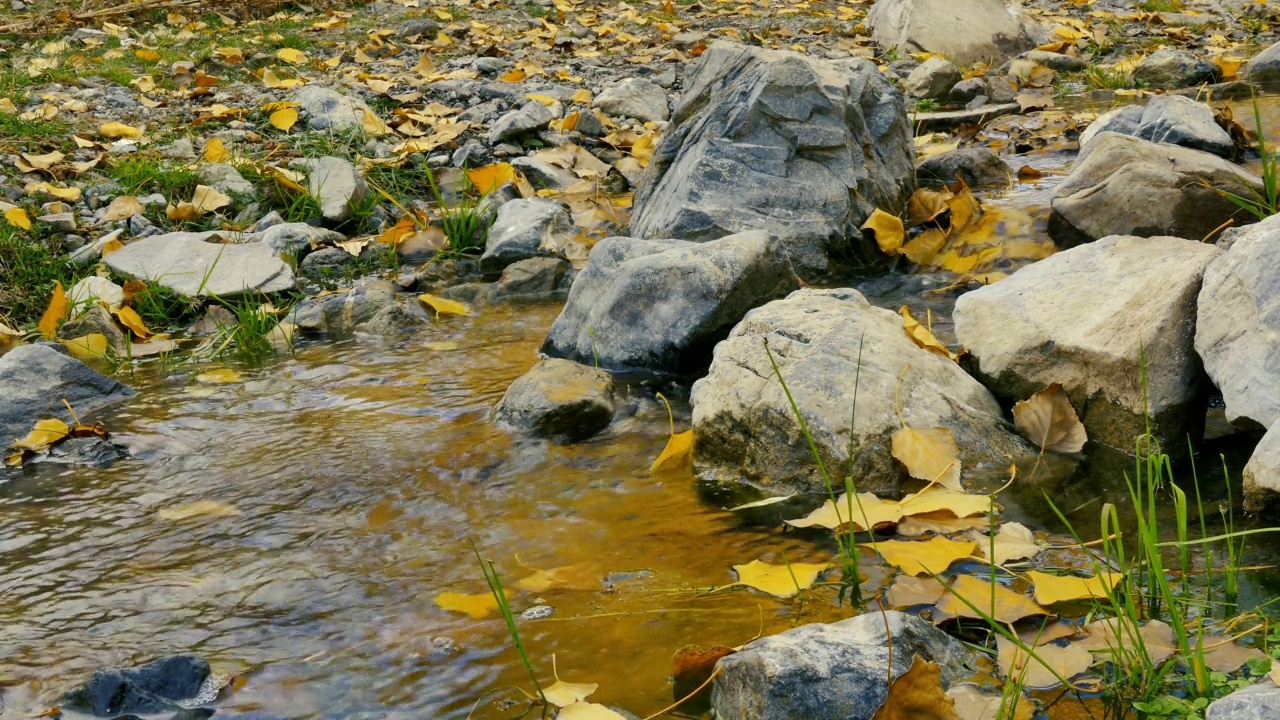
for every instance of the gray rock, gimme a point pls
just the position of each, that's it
(336, 184)
(532, 116)
(744, 425)
(181, 148)
(976, 166)
(560, 400)
(831, 671)
(1085, 318)
(61, 222)
(1171, 68)
(1124, 120)
(663, 304)
(1263, 68)
(213, 320)
(418, 28)
(198, 265)
(634, 98)
(934, 78)
(95, 320)
(1238, 326)
(342, 311)
(590, 125)
(801, 148)
(327, 109)
(293, 238)
(227, 179)
(1256, 702)
(35, 379)
(543, 175)
(156, 687)
(325, 263)
(1262, 476)
(524, 229)
(966, 33)
(1055, 61)
(391, 321)
(1169, 119)
(538, 276)
(1123, 185)
(966, 90)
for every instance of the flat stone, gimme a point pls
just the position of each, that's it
(34, 381)
(196, 265)
(559, 399)
(293, 238)
(537, 276)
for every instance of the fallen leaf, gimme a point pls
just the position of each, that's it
(868, 511)
(923, 336)
(44, 434)
(373, 125)
(1052, 589)
(929, 454)
(1009, 606)
(939, 499)
(888, 231)
(477, 606)
(115, 130)
(973, 704)
(219, 376)
(581, 576)
(30, 163)
(561, 693)
(491, 177)
(1014, 541)
(1157, 639)
(917, 694)
(284, 118)
(1224, 655)
(782, 581)
(923, 557)
(909, 591)
(122, 207)
(207, 199)
(1048, 420)
(443, 306)
(1066, 660)
(588, 711)
(129, 318)
(677, 456)
(200, 507)
(214, 150)
(926, 205)
(691, 667)
(55, 313)
(291, 56)
(942, 522)
(71, 194)
(17, 217)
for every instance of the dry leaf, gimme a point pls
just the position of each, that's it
(30, 163)
(973, 704)
(942, 522)
(1052, 589)
(909, 591)
(44, 434)
(115, 130)
(214, 150)
(207, 199)
(55, 313)
(924, 557)
(291, 56)
(1009, 607)
(923, 336)
(196, 509)
(917, 694)
(1224, 655)
(782, 581)
(1013, 542)
(89, 347)
(588, 711)
(1048, 420)
(1039, 672)
(561, 693)
(373, 125)
(444, 306)
(284, 118)
(677, 456)
(1157, 638)
(122, 208)
(888, 230)
(17, 217)
(477, 606)
(929, 454)
(129, 318)
(491, 177)
(868, 512)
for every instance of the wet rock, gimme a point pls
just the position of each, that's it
(341, 311)
(1124, 185)
(560, 400)
(1085, 318)
(326, 263)
(197, 265)
(831, 671)
(227, 179)
(1263, 68)
(966, 90)
(1169, 119)
(293, 238)
(801, 148)
(966, 33)
(1262, 476)
(532, 116)
(934, 78)
(976, 166)
(539, 276)
(634, 98)
(336, 184)
(1238, 326)
(328, 109)
(1256, 702)
(35, 379)
(95, 320)
(662, 305)
(1171, 68)
(524, 229)
(94, 289)
(152, 688)
(391, 321)
(746, 431)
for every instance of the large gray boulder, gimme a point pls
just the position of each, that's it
(831, 671)
(560, 400)
(1238, 325)
(747, 433)
(1169, 119)
(661, 305)
(1087, 318)
(526, 228)
(802, 148)
(1262, 476)
(1124, 185)
(1263, 68)
(35, 379)
(964, 32)
(203, 265)
(328, 109)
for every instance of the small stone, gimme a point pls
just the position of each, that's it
(543, 175)
(96, 289)
(976, 166)
(532, 116)
(182, 149)
(62, 222)
(419, 28)
(226, 178)
(538, 276)
(337, 184)
(152, 688)
(524, 229)
(933, 79)
(293, 238)
(328, 109)
(325, 263)
(635, 98)
(560, 400)
(344, 310)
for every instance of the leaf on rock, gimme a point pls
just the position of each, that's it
(888, 230)
(867, 509)
(973, 704)
(122, 208)
(929, 454)
(491, 177)
(924, 557)
(677, 456)
(939, 499)
(691, 667)
(561, 693)
(1048, 420)
(588, 711)
(89, 347)
(1052, 589)
(477, 606)
(55, 313)
(782, 581)
(1009, 606)
(1014, 541)
(284, 118)
(196, 509)
(1038, 672)
(917, 694)
(17, 217)
(44, 434)
(909, 591)
(924, 337)
(443, 306)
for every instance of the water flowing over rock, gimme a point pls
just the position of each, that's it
(1170, 119)
(559, 399)
(1123, 185)
(1086, 318)
(964, 32)
(662, 304)
(802, 148)
(198, 265)
(745, 428)
(152, 688)
(35, 379)
(831, 671)
(1238, 325)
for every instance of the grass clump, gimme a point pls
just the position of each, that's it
(464, 222)
(1267, 203)
(142, 176)
(1101, 78)
(29, 267)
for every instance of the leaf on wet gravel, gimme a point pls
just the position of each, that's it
(973, 704)
(580, 576)
(917, 694)
(1009, 606)
(782, 581)
(444, 306)
(888, 231)
(219, 376)
(867, 510)
(923, 557)
(1157, 638)
(691, 667)
(1052, 589)
(17, 217)
(924, 337)
(55, 313)
(588, 711)
(1014, 541)
(1048, 420)
(929, 454)
(909, 591)
(1067, 660)
(477, 606)
(677, 456)
(198, 508)
(122, 208)
(89, 347)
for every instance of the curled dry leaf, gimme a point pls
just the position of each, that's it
(30, 163)
(207, 199)
(929, 454)
(1009, 606)
(1048, 420)
(477, 606)
(55, 313)
(888, 230)
(923, 557)
(122, 207)
(917, 694)
(924, 337)
(782, 581)
(129, 318)
(1050, 662)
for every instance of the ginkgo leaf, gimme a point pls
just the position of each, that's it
(491, 177)
(561, 693)
(115, 130)
(477, 606)
(677, 456)
(1105, 636)
(55, 313)
(926, 205)
(129, 318)
(938, 499)
(924, 557)
(1009, 606)
(867, 510)
(373, 125)
(588, 711)
(71, 194)
(1014, 541)
(284, 118)
(782, 581)
(122, 207)
(973, 704)
(581, 576)
(219, 376)
(917, 694)
(929, 454)
(1043, 670)
(443, 306)
(88, 347)
(30, 163)
(44, 434)
(207, 199)
(231, 55)
(924, 337)
(291, 56)
(1048, 420)
(909, 591)
(210, 508)
(888, 230)
(214, 150)
(17, 217)
(1052, 589)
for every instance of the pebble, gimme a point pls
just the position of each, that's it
(537, 612)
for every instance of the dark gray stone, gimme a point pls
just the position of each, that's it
(342, 311)
(560, 400)
(976, 166)
(325, 263)
(1263, 68)
(539, 276)
(524, 229)
(1168, 119)
(35, 379)
(151, 688)
(1171, 68)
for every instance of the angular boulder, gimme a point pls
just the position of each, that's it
(159, 686)
(1124, 185)
(933, 79)
(746, 431)
(1238, 326)
(560, 400)
(525, 229)
(802, 148)
(831, 671)
(1087, 318)
(965, 33)
(200, 265)
(35, 379)
(1169, 119)
(661, 305)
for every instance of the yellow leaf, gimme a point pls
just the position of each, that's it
(582, 576)
(43, 435)
(7, 107)
(926, 205)
(1052, 589)
(115, 130)
(562, 693)
(477, 606)
(89, 347)
(55, 313)
(1009, 606)
(677, 456)
(582, 96)
(491, 177)
(513, 76)
(888, 230)
(1043, 670)
(374, 126)
(28, 163)
(206, 199)
(929, 454)
(284, 118)
(219, 376)
(782, 581)
(923, 337)
(214, 151)
(443, 306)
(198, 508)
(973, 704)
(868, 512)
(1108, 635)
(17, 217)
(111, 246)
(588, 711)
(129, 318)
(146, 55)
(1048, 420)
(231, 55)
(292, 56)
(1014, 541)
(917, 694)
(924, 557)
(122, 207)
(937, 498)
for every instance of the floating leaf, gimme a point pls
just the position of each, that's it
(219, 376)
(938, 499)
(17, 217)
(1052, 589)
(677, 456)
(782, 581)
(909, 591)
(1039, 672)
(115, 130)
(1222, 654)
(55, 313)
(888, 230)
(917, 694)
(924, 557)
(1009, 606)
(924, 337)
(122, 207)
(215, 151)
(477, 606)
(588, 711)
(580, 576)
(1048, 420)
(561, 693)
(1158, 639)
(88, 347)
(292, 56)
(44, 434)
(867, 509)
(929, 454)
(491, 177)
(196, 509)
(973, 704)
(762, 503)
(1014, 541)
(443, 306)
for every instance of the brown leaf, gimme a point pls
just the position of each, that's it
(1048, 420)
(691, 666)
(909, 590)
(972, 704)
(917, 694)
